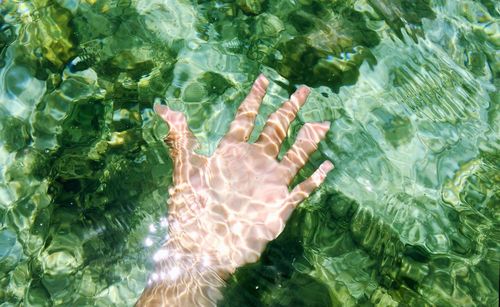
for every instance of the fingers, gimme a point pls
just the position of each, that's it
(305, 144)
(242, 125)
(277, 125)
(303, 189)
(180, 141)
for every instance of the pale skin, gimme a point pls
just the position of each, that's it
(224, 209)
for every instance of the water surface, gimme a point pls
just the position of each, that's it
(409, 217)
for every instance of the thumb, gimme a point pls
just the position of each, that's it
(175, 120)
(180, 140)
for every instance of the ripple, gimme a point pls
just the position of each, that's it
(410, 215)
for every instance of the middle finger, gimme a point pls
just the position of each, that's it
(277, 124)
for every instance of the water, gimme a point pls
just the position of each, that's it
(410, 215)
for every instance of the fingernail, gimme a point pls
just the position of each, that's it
(327, 124)
(160, 109)
(263, 79)
(327, 166)
(301, 94)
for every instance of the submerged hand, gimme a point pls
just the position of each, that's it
(225, 208)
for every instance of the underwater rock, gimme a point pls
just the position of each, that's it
(49, 38)
(322, 44)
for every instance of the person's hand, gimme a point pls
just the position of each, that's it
(225, 208)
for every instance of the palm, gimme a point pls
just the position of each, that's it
(229, 205)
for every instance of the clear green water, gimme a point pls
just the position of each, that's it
(410, 216)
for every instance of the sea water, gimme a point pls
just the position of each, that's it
(410, 215)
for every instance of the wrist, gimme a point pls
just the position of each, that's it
(182, 279)
(174, 259)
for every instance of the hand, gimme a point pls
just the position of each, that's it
(225, 208)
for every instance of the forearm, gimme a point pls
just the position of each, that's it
(182, 279)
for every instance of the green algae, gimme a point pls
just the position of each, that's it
(408, 217)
